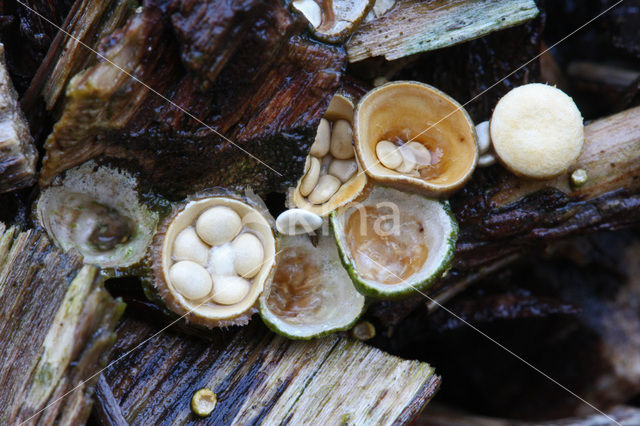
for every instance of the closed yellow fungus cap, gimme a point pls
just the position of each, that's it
(537, 131)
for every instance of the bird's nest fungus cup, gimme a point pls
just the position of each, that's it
(212, 258)
(415, 137)
(333, 176)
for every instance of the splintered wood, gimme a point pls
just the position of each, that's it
(414, 26)
(18, 154)
(260, 377)
(57, 323)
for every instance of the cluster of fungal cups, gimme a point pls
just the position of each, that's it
(417, 146)
(320, 283)
(406, 146)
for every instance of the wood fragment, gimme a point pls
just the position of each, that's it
(18, 154)
(262, 378)
(97, 19)
(228, 23)
(602, 74)
(268, 98)
(414, 26)
(464, 72)
(527, 212)
(106, 407)
(87, 23)
(59, 320)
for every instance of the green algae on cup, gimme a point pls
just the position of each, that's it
(311, 294)
(394, 243)
(96, 210)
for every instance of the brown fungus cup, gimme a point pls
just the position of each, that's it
(415, 137)
(212, 258)
(333, 21)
